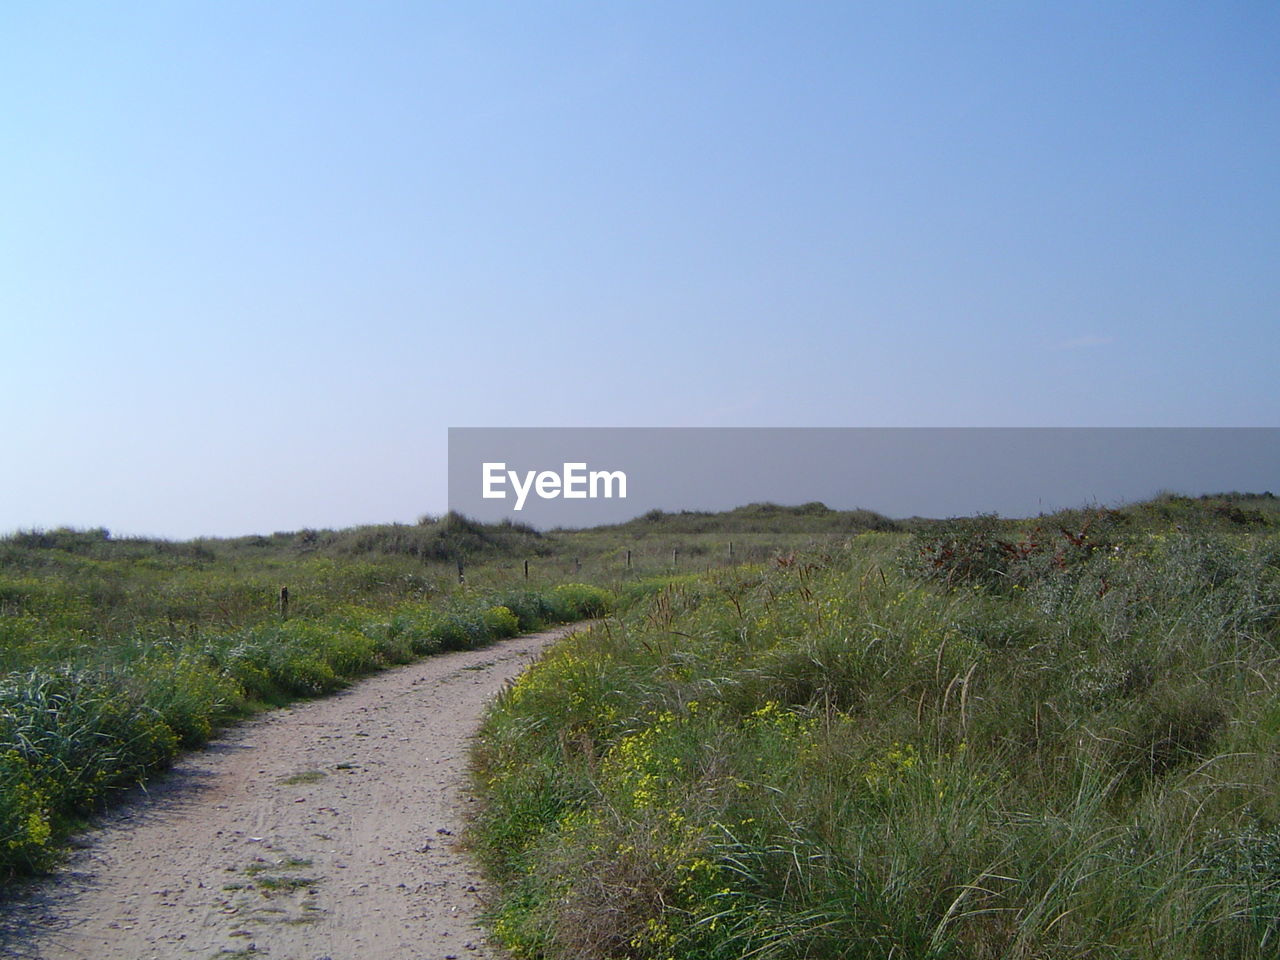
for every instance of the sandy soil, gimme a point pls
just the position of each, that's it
(324, 831)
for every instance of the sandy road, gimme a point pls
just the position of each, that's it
(323, 831)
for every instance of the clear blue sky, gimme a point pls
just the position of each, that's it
(255, 258)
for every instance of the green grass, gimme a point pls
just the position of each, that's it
(289, 863)
(1103, 729)
(1057, 738)
(115, 655)
(286, 884)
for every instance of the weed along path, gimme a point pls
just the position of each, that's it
(329, 829)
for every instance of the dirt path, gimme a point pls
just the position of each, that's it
(323, 831)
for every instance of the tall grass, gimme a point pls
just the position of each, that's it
(116, 652)
(80, 721)
(928, 747)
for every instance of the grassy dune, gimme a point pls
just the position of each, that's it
(1055, 739)
(116, 654)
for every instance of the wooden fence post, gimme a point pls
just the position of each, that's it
(284, 603)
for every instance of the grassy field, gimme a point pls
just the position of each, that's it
(117, 652)
(976, 739)
(844, 736)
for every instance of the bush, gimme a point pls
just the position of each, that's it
(459, 631)
(1001, 555)
(25, 829)
(501, 622)
(578, 601)
(532, 608)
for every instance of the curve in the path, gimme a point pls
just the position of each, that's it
(323, 831)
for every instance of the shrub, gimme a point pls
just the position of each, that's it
(25, 829)
(576, 601)
(532, 608)
(1003, 555)
(499, 621)
(458, 631)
